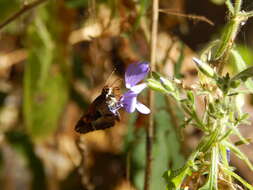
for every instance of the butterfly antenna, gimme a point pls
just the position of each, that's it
(110, 76)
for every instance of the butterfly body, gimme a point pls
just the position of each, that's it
(101, 114)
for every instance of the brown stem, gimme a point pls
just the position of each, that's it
(150, 129)
(189, 16)
(25, 8)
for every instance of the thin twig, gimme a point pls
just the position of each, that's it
(189, 16)
(16, 15)
(150, 129)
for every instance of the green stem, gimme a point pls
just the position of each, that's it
(227, 40)
(249, 14)
(238, 4)
(230, 7)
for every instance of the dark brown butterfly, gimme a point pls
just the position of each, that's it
(102, 112)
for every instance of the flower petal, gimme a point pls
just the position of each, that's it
(129, 94)
(142, 108)
(138, 88)
(129, 100)
(135, 73)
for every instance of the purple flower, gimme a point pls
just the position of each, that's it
(134, 74)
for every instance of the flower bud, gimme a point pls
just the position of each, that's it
(204, 68)
(155, 85)
(167, 84)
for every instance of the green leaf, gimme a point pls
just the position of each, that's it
(238, 60)
(175, 178)
(238, 134)
(238, 153)
(241, 65)
(45, 82)
(246, 53)
(244, 75)
(230, 6)
(228, 34)
(208, 141)
(211, 183)
(231, 173)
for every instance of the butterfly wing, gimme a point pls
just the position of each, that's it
(98, 117)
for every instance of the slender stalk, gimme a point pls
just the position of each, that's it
(23, 10)
(249, 14)
(229, 36)
(189, 16)
(238, 4)
(150, 129)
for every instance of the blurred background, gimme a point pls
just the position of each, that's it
(55, 59)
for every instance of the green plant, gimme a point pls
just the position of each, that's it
(207, 168)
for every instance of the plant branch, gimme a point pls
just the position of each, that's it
(249, 14)
(229, 36)
(23, 10)
(238, 4)
(150, 129)
(189, 16)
